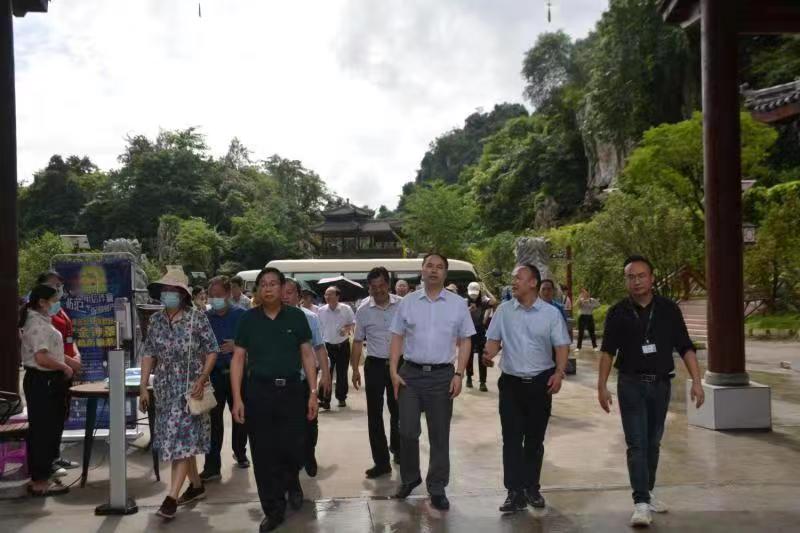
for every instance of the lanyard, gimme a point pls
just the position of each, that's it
(649, 329)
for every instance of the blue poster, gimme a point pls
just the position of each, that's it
(91, 284)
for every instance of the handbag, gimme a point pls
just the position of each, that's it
(204, 404)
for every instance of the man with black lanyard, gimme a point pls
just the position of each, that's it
(642, 331)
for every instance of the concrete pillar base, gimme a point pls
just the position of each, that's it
(731, 407)
(727, 380)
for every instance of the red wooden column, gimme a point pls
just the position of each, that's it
(9, 352)
(723, 194)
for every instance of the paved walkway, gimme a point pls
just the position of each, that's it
(713, 481)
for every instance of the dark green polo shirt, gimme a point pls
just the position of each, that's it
(273, 346)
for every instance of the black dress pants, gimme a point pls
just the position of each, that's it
(586, 322)
(46, 397)
(478, 343)
(221, 381)
(339, 355)
(275, 417)
(378, 382)
(524, 413)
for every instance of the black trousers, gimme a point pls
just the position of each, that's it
(221, 381)
(312, 431)
(275, 418)
(339, 356)
(586, 322)
(45, 396)
(478, 343)
(378, 382)
(524, 413)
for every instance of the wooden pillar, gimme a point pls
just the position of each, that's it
(9, 352)
(723, 193)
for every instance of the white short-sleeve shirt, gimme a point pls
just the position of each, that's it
(39, 334)
(333, 320)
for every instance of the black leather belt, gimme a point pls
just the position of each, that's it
(277, 382)
(427, 368)
(646, 378)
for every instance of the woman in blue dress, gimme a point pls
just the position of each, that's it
(181, 349)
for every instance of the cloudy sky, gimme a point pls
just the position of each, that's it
(355, 89)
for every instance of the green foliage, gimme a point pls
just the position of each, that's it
(772, 265)
(257, 239)
(651, 225)
(531, 172)
(199, 246)
(35, 256)
(770, 60)
(548, 66)
(454, 151)
(790, 321)
(638, 68)
(438, 217)
(670, 160)
(494, 255)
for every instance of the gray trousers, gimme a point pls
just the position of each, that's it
(427, 392)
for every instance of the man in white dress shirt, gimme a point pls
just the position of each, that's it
(337, 322)
(431, 322)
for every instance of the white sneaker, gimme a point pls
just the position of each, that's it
(596, 349)
(577, 350)
(641, 515)
(656, 505)
(58, 472)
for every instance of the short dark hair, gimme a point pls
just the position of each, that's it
(197, 290)
(378, 272)
(294, 282)
(44, 276)
(265, 271)
(550, 281)
(237, 280)
(535, 271)
(440, 256)
(38, 293)
(637, 259)
(220, 280)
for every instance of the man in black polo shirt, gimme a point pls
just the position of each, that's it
(642, 331)
(275, 338)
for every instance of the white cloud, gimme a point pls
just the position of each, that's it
(355, 89)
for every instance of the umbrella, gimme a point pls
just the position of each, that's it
(351, 290)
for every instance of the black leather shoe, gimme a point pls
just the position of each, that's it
(514, 502)
(440, 502)
(296, 499)
(406, 488)
(469, 382)
(311, 467)
(342, 403)
(270, 523)
(534, 498)
(378, 471)
(483, 388)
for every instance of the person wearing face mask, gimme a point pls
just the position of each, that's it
(200, 299)
(47, 372)
(181, 343)
(63, 323)
(223, 318)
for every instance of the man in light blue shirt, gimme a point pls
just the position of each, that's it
(529, 329)
(291, 296)
(431, 322)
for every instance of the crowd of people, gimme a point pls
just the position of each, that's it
(276, 359)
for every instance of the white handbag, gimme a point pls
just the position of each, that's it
(204, 404)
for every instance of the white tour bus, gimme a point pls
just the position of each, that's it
(312, 270)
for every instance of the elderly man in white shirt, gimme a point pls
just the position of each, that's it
(373, 319)
(431, 322)
(337, 322)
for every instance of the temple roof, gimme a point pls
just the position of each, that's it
(774, 103)
(348, 210)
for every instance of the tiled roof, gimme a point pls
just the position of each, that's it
(771, 98)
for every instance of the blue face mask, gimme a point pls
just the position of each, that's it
(54, 309)
(171, 300)
(218, 304)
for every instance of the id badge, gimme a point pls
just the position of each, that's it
(69, 340)
(648, 349)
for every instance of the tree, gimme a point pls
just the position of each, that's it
(548, 67)
(772, 265)
(199, 246)
(438, 217)
(670, 159)
(35, 257)
(533, 166)
(257, 239)
(494, 255)
(651, 224)
(452, 152)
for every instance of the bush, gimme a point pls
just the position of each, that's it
(35, 257)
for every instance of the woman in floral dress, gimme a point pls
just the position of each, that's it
(179, 339)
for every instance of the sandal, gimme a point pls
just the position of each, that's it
(52, 490)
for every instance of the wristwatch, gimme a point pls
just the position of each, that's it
(459, 374)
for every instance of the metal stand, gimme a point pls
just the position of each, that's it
(118, 502)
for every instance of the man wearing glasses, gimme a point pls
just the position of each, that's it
(641, 332)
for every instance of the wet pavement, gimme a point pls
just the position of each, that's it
(713, 481)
